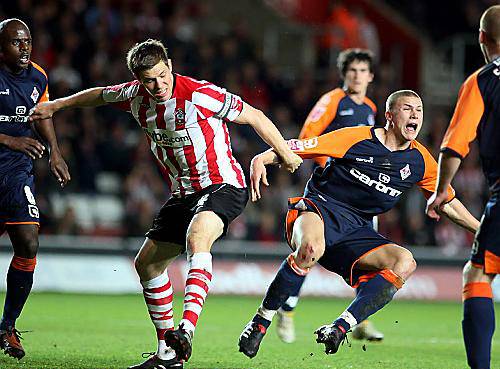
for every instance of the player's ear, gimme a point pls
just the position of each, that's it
(388, 116)
(169, 64)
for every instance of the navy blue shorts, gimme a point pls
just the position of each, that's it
(17, 199)
(348, 236)
(486, 248)
(172, 222)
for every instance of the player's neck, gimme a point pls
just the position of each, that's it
(390, 140)
(357, 97)
(15, 71)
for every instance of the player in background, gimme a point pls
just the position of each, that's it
(22, 84)
(186, 123)
(331, 224)
(477, 114)
(339, 108)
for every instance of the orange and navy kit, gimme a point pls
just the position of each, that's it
(361, 179)
(335, 110)
(19, 93)
(477, 114)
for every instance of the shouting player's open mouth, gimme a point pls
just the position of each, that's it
(24, 58)
(411, 127)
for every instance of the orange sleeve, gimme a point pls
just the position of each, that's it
(45, 94)
(428, 183)
(320, 117)
(468, 112)
(322, 114)
(333, 144)
(371, 104)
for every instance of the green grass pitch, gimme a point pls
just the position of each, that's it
(102, 331)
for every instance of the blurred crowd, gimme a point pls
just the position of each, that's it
(83, 44)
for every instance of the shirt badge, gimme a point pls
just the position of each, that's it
(34, 95)
(405, 172)
(180, 117)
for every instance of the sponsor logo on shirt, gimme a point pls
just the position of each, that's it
(405, 172)
(377, 185)
(20, 116)
(346, 112)
(369, 160)
(173, 139)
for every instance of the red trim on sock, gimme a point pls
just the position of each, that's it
(341, 328)
(201, 271)
(26, 265)
(477, 289)
(158, 289)
(197, 282)
(191, 316)
(161, 301)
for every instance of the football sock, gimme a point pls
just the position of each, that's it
(478, 324)
(158, 295)
(197, 285)
(374, 292)
(291, 303)
(288, 280)
(19, 282)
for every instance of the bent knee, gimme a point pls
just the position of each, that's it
(405, 265)
(473, 274)
(309, 253)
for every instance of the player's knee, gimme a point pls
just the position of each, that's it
(473, 274)
(309, 253)
(28, 248)
(405, 265)
(140, 265)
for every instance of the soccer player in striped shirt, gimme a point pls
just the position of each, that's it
(186, 124)
(339, 108)
(477, 114)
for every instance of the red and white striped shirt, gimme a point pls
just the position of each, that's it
(187, 134)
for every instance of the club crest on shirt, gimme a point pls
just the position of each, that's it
(405, 172)
(34, 95)
(180, 117)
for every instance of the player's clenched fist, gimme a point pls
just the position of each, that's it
(31, 147)
(292, 162)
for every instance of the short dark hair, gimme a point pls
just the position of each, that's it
(146, 55)
(391, 100)
(347, 56)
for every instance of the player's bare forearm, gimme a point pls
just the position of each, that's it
(45, 129)
(270, 134)
(268, 157)
(58, 167)
(87, 98)
(447, 168)
(458, 214)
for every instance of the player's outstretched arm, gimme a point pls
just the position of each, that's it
(90, 97)
(458, 214)
(258, 172)
(270, 134)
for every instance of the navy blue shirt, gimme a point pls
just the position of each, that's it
(477, 113)
(19, 93)
(362, 174)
